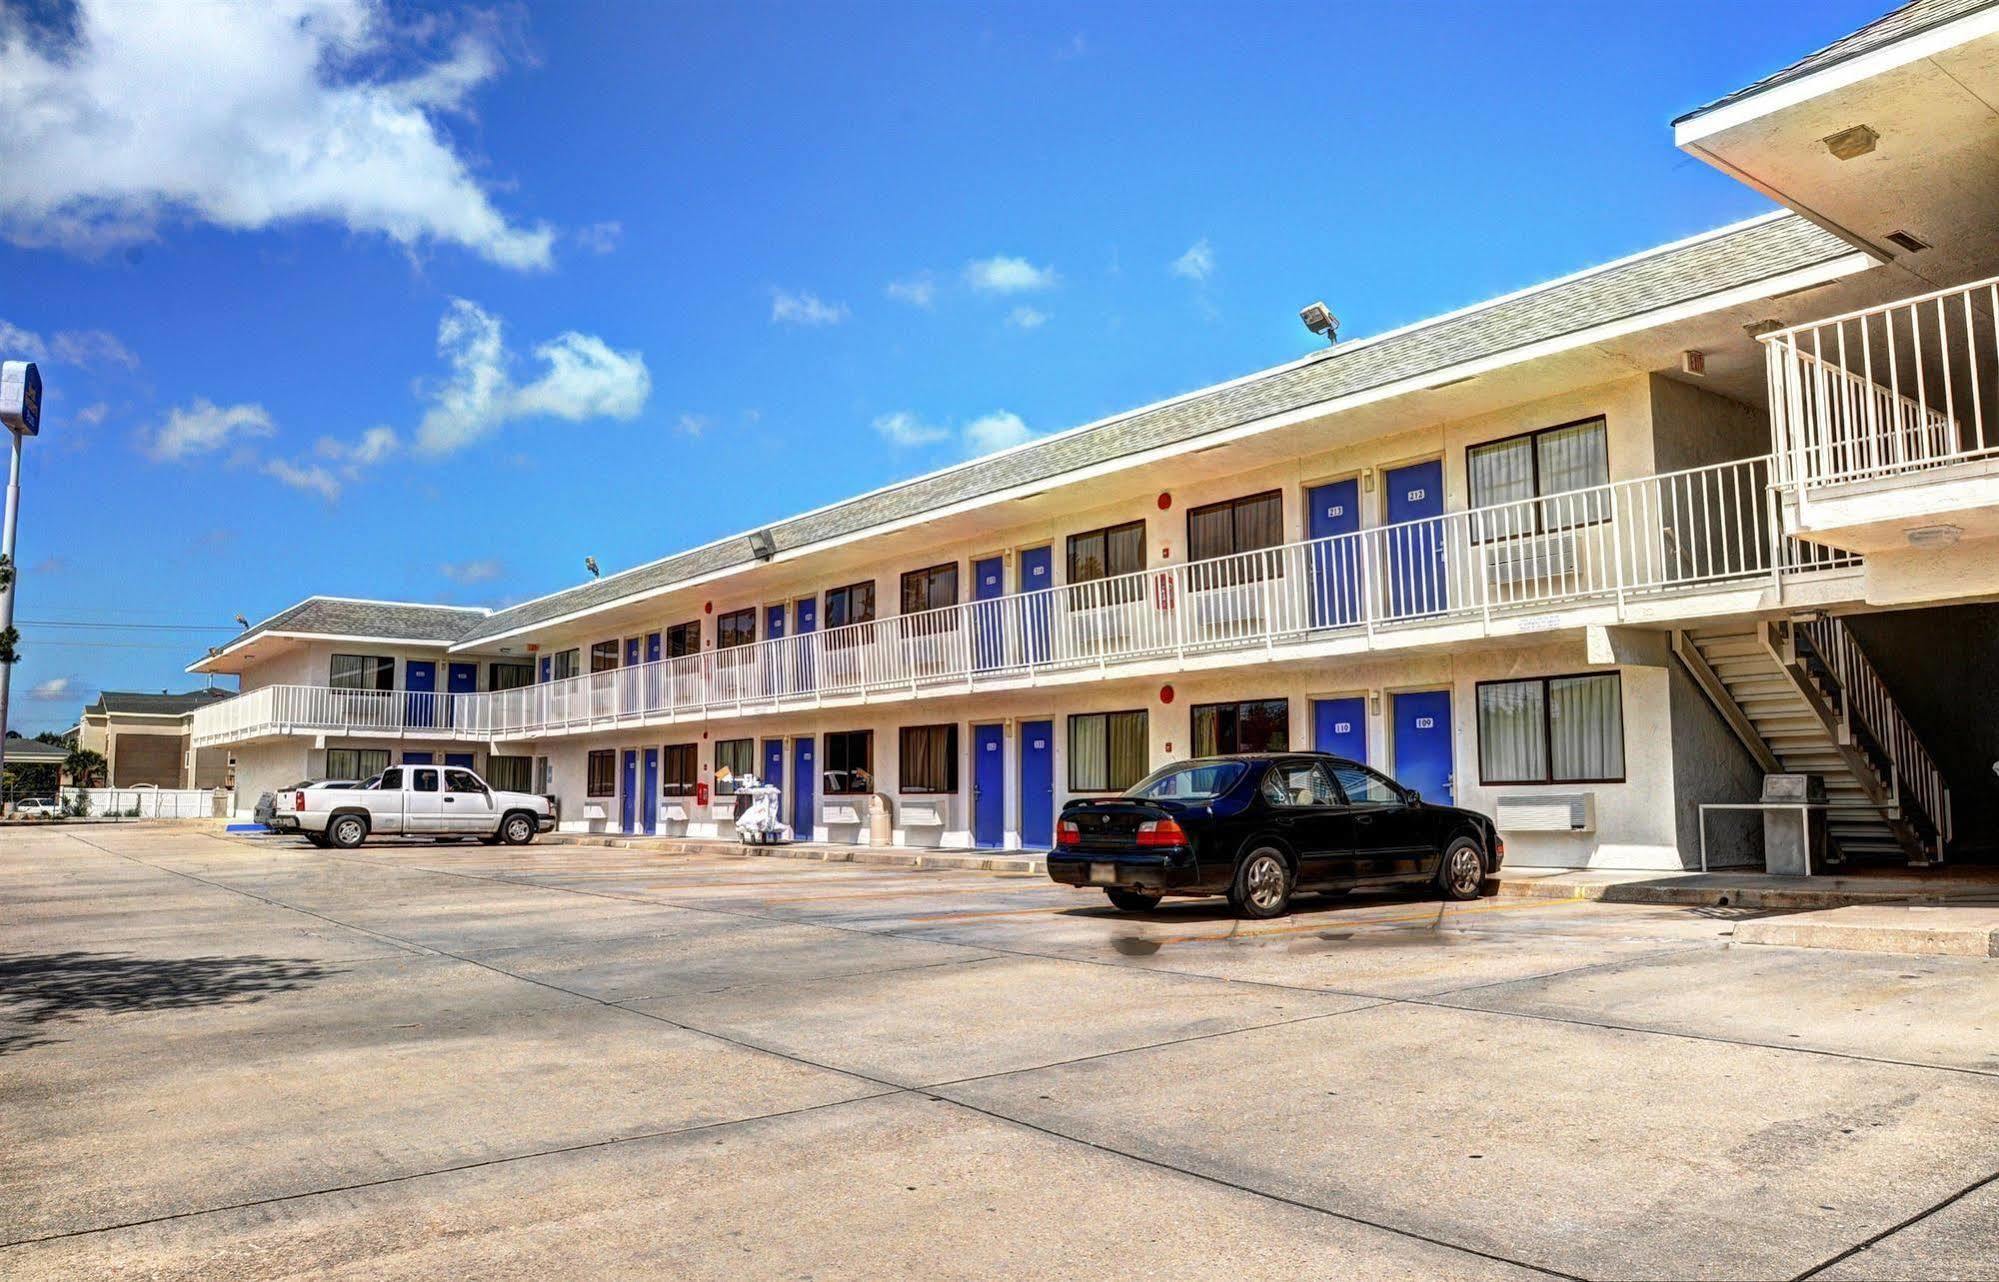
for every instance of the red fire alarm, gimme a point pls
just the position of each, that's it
(707, 607)
(1165, 500)
(1165, 694)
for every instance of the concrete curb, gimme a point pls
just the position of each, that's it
(1719, 892)
(1910, 930)
(967, 861)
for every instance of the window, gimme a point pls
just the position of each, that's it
(1363, 787)
(544, 776)
(683, 639)
(1107, 751)
(1539, 465)
(738, 627)
(1108, 553)
(1298, 783)
(423, 779)
(1552, 730)
(603, 656)
(680, 767)
(848, 768)
(603, 774)
(734, 758)
(362, 672)
(930, 589)
(1260, 725)
(929, 759)
(854, 603)
(565, 665)
(390, 780)
(1239, 525)
(1189, 781)
(510, 774)
(509, 676)
(461, 781)
(356, 763)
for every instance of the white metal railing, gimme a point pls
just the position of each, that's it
(1885, 390)
(1615, 543)
(1865, 702)
(281, 709)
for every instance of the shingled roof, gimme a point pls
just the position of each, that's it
(138, 703)
(333, 616)
(1737, 256)
(1911, 19)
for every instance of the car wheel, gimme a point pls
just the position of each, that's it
(1461, 874)
(1132, 901)
(347, 831)
(1262, 886)
(517, 830)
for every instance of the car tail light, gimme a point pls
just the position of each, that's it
(1067, 833)
(298, 801)
(1161, 832)
(1498, 847)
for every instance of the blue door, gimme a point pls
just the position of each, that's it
(804, 792)
(649, 807)
(1415, 552)
(463, 760)
(1422, 721)
(988, 787)
(805, 620)
(547, 672)
(631, 652)
(774, 622)
(1339, 726)
(419, 758)
(629, 799)
(1037, 784)
(652, 647)
(1037, 566)
(459, 678)
(1335, 511)
(420, 704)
(773, 773)
(989, 621)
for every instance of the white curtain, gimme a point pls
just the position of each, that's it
(1586, 727)
(1089, 753)
(1573, 458)
(1502, 472)
(1512, 745)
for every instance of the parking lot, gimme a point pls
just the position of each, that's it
(227, 1059)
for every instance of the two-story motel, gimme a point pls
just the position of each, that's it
(1583, 557)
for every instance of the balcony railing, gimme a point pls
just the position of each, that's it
(1893, 389)
(1620, 543)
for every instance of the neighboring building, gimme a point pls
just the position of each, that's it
(147, 739)
(1585, 556)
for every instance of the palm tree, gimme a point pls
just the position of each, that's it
(84, 767)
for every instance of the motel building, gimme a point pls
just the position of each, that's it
(1583, 557)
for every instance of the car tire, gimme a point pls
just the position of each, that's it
(1461, 872)
(1262, 885)
(1132, 901)
(346, 832)
(517, 829)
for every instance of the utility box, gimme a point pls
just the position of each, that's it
(1794, 837)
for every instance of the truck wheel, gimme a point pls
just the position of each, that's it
(347, 831)
(517, 829)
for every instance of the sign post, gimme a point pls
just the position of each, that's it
(21, 412)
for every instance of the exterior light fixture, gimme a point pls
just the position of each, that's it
(1320, 320)
(762, 546)
(1934, 536)
(1849, 144)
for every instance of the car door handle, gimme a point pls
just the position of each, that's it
(450, 800)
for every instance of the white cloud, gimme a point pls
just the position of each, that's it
(56, 689)
(1197, 264)
(996, 431)
(585, 379)
(22, 344)
(919, 290)
(256, 114)
(1003, 275)
(1025, 317)
(311, 477)
(204, 427)
(93, 414)
(470, 572)
(373, 445)
(904, 429)
(693, 424)
(84, 348)
(601, 238)
(804, 308)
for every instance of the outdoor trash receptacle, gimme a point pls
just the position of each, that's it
(1794, 837)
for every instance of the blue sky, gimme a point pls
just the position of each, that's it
(397, 303)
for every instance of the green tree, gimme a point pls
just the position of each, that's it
(84, 767)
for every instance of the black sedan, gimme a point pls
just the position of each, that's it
(1260, 827)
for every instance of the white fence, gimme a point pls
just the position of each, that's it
(1886, 390)
(1616, 543)
(145, 803)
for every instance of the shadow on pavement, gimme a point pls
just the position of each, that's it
(39, 989)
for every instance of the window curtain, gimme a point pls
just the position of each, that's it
(1210, 533)
(1512, 747)
(1502, 472)
(928, 758)
(1586, 727)
(1089, 753)
(1264, 727)
(1128, 749)
(1208, 730)
(1573, 458)
(1259, 522)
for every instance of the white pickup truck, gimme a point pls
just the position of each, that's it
(420, 801)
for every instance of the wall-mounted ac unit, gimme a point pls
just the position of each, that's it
(1547, 812)
(923, 814)
(1529, 560)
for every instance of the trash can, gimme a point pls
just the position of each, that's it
(881, 820)
(1794, 840)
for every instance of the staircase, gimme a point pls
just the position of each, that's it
(1803, 699)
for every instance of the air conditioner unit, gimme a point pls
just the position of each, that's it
(1511, 562)
(1547, 812)
(1099, 628)
(1228, 609)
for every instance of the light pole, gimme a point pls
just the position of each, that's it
(21, 411)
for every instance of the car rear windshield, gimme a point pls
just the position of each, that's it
(1188, 781)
